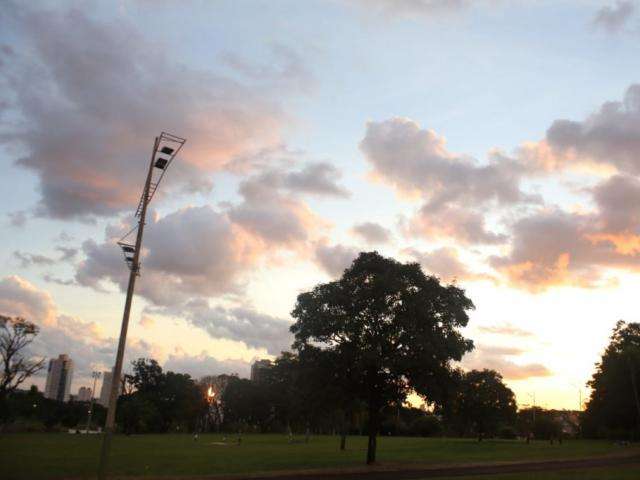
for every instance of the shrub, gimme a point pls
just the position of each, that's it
(426, 426)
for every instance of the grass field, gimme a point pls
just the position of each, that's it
(38, 456)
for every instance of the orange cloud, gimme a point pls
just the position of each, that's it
(624, 243)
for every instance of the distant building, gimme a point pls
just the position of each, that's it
(84, 394)
(59, 376)
(105, 391)
(258, 369)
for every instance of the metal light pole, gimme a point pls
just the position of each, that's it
(166, 144)
(95, 376)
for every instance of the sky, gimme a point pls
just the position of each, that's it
(496, 143)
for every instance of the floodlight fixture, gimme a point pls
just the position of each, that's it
(161, 163)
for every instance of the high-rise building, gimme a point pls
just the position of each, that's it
(59, 376)
(84, 394)
(105, 391)
(258, 368)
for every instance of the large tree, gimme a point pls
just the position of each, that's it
(160, 401)
(480, 404)
(15, 336)
(614, 406)
(395, 327)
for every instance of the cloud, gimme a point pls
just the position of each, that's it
(443, 263)
(33, 259)
(146, 321)
(334, 259)
(20, 298)
(241, 324)
(500, 359)
(372, 233)
(17, 219)
(460, 223)
(318, 178)
(612, 18)
(272, 216)
(559, 248)
(505, 329)
(203, 364)
(618, 202)
(419, 8)
(28, 259)
(416, 163)
(92, 96)
(607, 139)
(192, 252)
(67, 254)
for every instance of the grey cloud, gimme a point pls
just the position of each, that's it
(336, 258)
(202, 365)
(612, 18)
(29, 259)
(20, 298)
(47, 277)
(455, 188)
(33, 259)
(418, 8)
(316, 178)
(610, 136)
(556, 247)
(416, 160)
(442, 262)
(254, 329)
(286, 70)
(86, 86)
(67, 254)
(18, 218)
(372, 233)
(466, 225)
(193, 251)
(271, 215)
(618, 201)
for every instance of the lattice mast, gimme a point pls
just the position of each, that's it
(165, 149)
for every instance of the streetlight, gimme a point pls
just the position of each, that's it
(165, 149)
(95, 376)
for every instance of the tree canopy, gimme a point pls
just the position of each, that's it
(395, 329)
(614, 406)
(480, 404)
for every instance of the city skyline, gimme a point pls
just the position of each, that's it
(495, 144)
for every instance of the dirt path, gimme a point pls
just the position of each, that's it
(396, 472)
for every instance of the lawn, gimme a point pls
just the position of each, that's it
(37, 456)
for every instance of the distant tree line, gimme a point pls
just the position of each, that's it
(363, 343)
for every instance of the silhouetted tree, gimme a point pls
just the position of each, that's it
(247, 403)
(159, 401)
(15, 335)
(481, 403)
(394, 327)
(614, 405)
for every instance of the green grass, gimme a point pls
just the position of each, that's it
(37, 456)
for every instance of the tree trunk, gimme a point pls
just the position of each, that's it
(343, 431)
(374, 414)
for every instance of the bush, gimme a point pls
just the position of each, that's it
(426, 426)
(507, 432)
